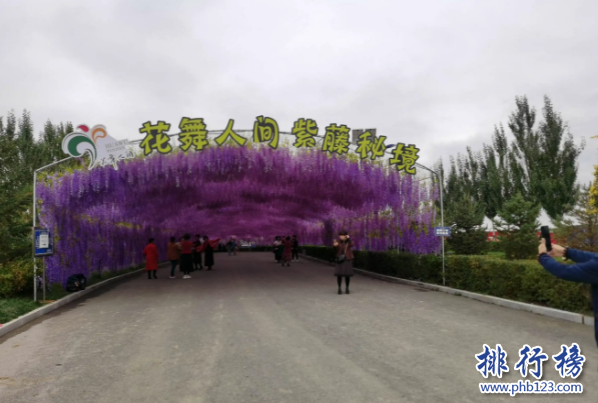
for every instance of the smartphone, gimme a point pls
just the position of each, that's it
(545, 231)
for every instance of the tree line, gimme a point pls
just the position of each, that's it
(21, 153)
(509, 182)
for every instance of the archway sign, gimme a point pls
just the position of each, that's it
(104, 150)
(222, 184)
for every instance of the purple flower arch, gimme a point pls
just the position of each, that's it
(101, 219)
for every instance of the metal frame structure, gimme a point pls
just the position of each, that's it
(441, 213)
(34, 224)
(319, 139)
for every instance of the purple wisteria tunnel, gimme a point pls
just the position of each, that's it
(101, 218)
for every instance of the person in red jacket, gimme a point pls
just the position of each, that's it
(151, 259)
(287, 251)
(186, 256)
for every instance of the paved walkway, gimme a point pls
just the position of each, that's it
(254, 332)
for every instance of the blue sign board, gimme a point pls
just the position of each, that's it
(43, 242)
(442, 231)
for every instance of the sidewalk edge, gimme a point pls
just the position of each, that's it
(30, 316)
(507, 303)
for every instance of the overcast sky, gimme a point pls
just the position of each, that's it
(439, 74)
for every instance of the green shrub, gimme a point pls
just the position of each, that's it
(520, 280)
(320, 252)
(16, 277)
(12, 308)
(541, 287)
(495, 246)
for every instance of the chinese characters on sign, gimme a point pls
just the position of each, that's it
(155, 138)
(336, 140)
(43, 242)
(404, 157)
(305, 130)
(368, 144)
(229, 132)
(442, 231)
(193, 133)
(265, 130)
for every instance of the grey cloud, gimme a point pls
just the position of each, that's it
(435, 73)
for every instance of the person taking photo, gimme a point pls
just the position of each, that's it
(584, 271)
(343, 247)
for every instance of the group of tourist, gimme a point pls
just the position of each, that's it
(188, 255)
(185, 253)
(286, 249)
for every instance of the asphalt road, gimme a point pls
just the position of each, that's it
(254, 332)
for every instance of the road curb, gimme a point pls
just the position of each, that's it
(28, 317)
(507, 303)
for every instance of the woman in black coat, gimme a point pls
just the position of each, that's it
(344, 260)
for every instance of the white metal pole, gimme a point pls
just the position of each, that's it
(35, 223)
(442, 225)
(44, 271)
(441, 215)
(33, 233)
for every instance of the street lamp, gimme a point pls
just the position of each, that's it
(441, 213)
(35, 222)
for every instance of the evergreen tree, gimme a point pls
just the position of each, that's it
(543, 162)
(593, 192)
(15, 228)
(539, 164)
(518, 226)
(464, 178)
(594, 189)
(28, 149)
(556, 188)
(11, 126)
(20, 154)
(49, 136)
(51, 141)
(524, 154)
(580, 230)
(468, 235)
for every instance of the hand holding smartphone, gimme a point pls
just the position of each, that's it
(545, 231)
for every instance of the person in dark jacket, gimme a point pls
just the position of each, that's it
(343, 249)
(197, 255)
(173, 255)
(295, 248)
(277, 249)
(208, 248)
(584, 271)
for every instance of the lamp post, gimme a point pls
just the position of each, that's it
(441, 213)
(387, 150)
(35, 222)
(441, 205)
